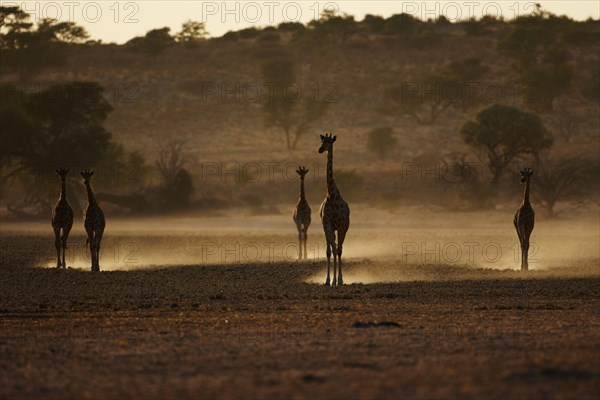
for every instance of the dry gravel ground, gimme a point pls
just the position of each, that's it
(262, 330)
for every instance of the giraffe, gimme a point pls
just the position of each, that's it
(302, 215)
(335, 214)
(62, 220)
(94, 223)
(524, 219)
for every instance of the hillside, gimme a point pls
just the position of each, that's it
(206, 95)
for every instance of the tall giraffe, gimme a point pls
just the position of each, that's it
(62, 219)
(94, 223)
(302, 215)
(524, 219)
(335, 214)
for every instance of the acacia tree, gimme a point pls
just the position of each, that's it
(28, 48)
(191, 32)
(557, 178)
(567, 121)
(504, 133)
(286, 107)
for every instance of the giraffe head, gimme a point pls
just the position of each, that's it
(327, 143)
(62, 173)
(86, 174)
(526, 174)
(302, 171)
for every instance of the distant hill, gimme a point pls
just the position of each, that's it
(206, 94)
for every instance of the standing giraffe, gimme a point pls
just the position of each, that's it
(524, 219)
(94, 223)
(335, 214)
(302, 215)
(62, 219)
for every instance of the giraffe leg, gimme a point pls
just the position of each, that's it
(90, 242)
(299, 227)
(520, 244)
(334, 250)
(63, 239)
(93, 254)
(341, 237)
(525, 263)
(327, 281)
(98, 238)
(57, 245)
(330, 237)
(305, 231)
(524, 248)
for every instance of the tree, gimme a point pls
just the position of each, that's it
(505, 133)
(540, 59)
(401, 24)
(557, 178)
(567, 120)
(291, 26)
(374, 23)
(27, 48)
(464, 178)
(333, 28)
(177, 188)
(191, 33)
(543, 83)
(286, 106)
(474, 27)
(381, 141)
(39, 127)
(465, 72)
(172, 158)
(249, 33)
(425, 99)
(154, 43)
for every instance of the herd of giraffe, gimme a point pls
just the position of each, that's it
(334, 214)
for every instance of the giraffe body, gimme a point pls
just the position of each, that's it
(62, 220)
(524, 220)
(335, 216)
(93, 222)
(302, 215)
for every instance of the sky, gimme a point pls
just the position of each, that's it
(119, 21)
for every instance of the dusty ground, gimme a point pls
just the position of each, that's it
(265, 330)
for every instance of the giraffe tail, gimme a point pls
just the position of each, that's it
(87, 242)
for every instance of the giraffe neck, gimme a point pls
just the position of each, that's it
(332, 189)
(63, 191)
(90, 193)
(526, 194)
(302, 189)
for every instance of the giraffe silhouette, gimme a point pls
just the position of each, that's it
(335, 214)
(524, 219)
(62, 220)
(302, 215)
(93, 221)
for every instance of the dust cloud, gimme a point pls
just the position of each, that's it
(381, 246)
